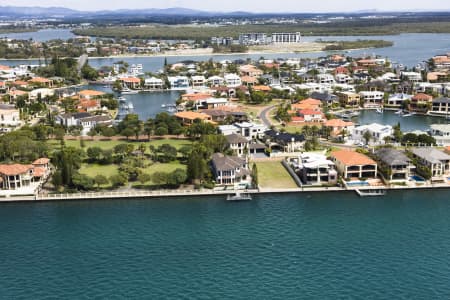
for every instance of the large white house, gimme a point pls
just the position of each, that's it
(372, 98)
(153, 83)
(441, 133)
(315, 168)
(178, 83)
(232, 80)
(377, 132)
(250, 131)
(9, 116)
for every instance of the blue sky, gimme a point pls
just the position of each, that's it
(247, 5)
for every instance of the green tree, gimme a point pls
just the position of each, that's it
(367, 136)
(254, 175)
(144, 177)
(100, 180)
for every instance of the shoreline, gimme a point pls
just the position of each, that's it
(138, 194)
(250, 52)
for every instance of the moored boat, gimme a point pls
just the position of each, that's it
(239, 197)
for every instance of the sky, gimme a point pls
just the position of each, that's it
(241, 5)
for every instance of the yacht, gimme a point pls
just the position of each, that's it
(409, 114)
(379, 110)
(127, 91)
(239, 197)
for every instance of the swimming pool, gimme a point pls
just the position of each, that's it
(358, 183)
(417, 178)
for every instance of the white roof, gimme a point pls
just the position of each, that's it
(216, 100)
(153, 79)
(375, 127)
(231, 77)
(440, 127)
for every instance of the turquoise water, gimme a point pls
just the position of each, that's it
(300, 246)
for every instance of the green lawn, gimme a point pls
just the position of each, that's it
(105, 145)
(274, 175)
(92, 170)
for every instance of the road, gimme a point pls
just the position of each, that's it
(264, 115)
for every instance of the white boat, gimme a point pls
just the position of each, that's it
(130, 106)
(127, 91)
(239, 197)
(379, 110)
(409, 115)
(163, 105)
(371, 192)
(399, 112)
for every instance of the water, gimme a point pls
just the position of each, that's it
(317, 246)
(409, 49)
(415, 122)
(43, 35)
(146, 105)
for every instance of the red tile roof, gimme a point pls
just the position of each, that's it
(41, 161)
(352, 158)
(14, 169)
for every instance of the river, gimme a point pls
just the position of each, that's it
(298, 246)
(409, 49)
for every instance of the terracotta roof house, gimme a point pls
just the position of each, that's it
(41, 81)
(188, 117)
(312, 116)
(262, 88)
(90, 94)
(351, 164)
(130, 82)
(337, 125)
(249, 80)
(250, 70)
(15, 176)
(420, 102)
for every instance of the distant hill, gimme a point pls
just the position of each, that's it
(36, 11)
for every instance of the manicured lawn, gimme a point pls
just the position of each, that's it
(92, 170)
(105, 145)
(274, 175)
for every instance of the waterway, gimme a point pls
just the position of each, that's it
(411, 123)
(409, 49)
(298, 246)
(146, 104)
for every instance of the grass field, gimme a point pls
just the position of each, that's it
(105, 145)
(274, 175)
(93, 170)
